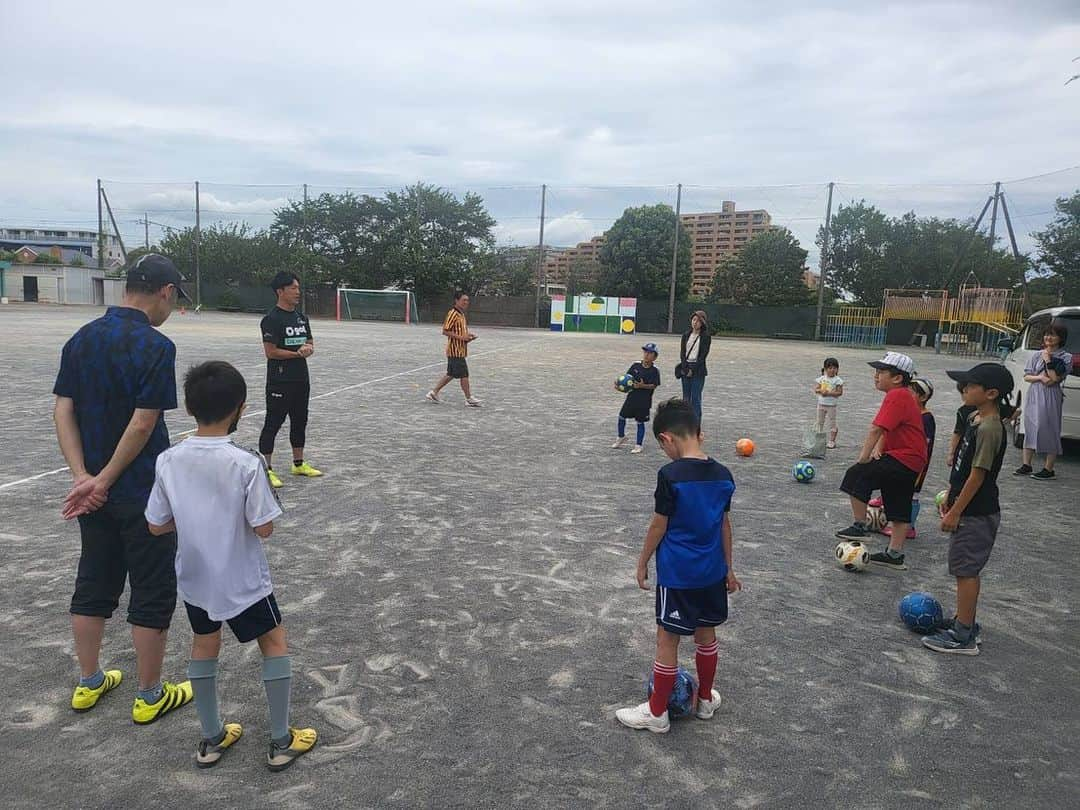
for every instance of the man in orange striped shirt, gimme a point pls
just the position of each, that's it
(458, 338)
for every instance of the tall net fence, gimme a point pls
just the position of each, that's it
(924, 235)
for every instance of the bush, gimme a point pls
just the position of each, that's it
(229, 301)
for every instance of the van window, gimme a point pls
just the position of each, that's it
(1033, 335)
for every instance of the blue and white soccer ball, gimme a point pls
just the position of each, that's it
(624, 382)
(803, 471)
(920, 612)
(683, 700)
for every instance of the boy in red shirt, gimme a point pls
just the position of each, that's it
(899, 427)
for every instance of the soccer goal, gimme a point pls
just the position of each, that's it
(376, 305)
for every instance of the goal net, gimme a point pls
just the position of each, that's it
(376, 305)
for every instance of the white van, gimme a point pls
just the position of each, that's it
(1030, 340)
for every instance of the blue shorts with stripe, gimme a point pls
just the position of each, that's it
(683, 610)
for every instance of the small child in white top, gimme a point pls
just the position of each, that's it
(217, 498)
(829, 387)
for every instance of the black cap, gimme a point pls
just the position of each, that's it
(988, 375)
(157, 271)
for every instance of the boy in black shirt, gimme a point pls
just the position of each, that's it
(972, 513)
(287, 343)
(639, 400)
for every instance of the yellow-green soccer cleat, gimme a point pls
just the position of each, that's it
(275, 482)
(86, 698)
(173, 696)
(303, 740)
(305, 469)
(208, 753)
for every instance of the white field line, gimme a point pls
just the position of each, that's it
(249, 414)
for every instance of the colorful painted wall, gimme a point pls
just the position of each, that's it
(589, 313)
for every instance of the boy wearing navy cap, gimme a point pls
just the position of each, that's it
(639, 399)
(972, 512)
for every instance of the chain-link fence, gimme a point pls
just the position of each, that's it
(925, 236)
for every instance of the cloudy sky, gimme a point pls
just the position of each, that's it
(910, 105)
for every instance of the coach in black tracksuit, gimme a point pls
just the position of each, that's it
(287, 341)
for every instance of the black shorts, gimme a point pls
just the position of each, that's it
(117, 545)
(683, 610)
(457, 368)
(971, 544)
(895, 481)
(255, 621)
(636, 409)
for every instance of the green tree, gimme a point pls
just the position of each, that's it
(858, 238)
(228, 254)
(1059, 248)
(635, 260)
(870, 252)
(768, 271)
(432, 241)
(722, 290)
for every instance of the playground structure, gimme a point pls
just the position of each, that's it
(971, 323)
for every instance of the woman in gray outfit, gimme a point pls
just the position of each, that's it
(1042, 409)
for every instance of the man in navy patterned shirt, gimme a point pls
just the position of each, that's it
(117, 378)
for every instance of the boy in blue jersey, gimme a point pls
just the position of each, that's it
(690, 533)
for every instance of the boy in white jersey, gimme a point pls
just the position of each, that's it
(217, 498)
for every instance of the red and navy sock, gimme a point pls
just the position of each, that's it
(705, 658)
(663, 684)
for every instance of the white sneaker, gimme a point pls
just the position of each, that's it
(707, 708)
(637, 449)
(432, 396)
(473, 401)
(619, 442)
(640, 716)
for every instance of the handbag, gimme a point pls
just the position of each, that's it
(685, 369)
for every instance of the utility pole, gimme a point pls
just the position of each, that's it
(993, 214)
(540, 252)
(823, 264)
(307, 244)
(146, 228)
(1016, 253)
(116, 230)
(100, 230)
(674, 259)
(198, 270)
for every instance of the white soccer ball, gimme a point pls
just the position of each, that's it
(852, 555)
(875, 518)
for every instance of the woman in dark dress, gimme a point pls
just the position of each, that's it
(693, 351)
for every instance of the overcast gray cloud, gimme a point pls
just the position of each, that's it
(489, 95)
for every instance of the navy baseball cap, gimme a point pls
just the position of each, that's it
(651, 347)
(988, 375)
(157, 271)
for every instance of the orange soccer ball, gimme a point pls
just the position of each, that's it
(744, 447)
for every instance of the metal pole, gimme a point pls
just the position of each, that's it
(993, 215)
(307, 243)
(100, 230)
(198, 269)
(540, 252)
(823, 265)
(116, 230)
(674, 260)
(1016, 252)
(146, 228)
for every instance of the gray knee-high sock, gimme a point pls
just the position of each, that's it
(203, 675)
(277, 678)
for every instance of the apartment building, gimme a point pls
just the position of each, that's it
(713, 235)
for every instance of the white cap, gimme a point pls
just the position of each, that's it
(897, 361)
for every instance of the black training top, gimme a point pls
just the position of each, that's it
(642, 397)
(286, 330)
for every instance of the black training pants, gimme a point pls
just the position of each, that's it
(285, 399)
